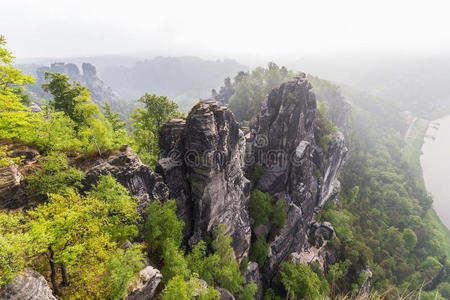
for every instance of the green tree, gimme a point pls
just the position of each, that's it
(249, 291)
(147, 123)
(409, 238)
(120, 136)
(15, 245)
(121, 208)
(174, 262)
(55, 176)
(64, 94)
(260, 207)
(16, 120)
(227, 274)
(201, 263)
(70, 234)
(122, 269)
(300, 281)
(162, 224)
(279, 214)
(259, 251)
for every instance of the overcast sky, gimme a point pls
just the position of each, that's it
(274, 29)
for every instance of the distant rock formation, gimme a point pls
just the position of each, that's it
(282, 140)
(202, 164)
(28, 285)
(100, 92)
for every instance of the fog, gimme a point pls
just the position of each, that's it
(250, 31)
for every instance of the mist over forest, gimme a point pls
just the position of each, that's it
(238, 150)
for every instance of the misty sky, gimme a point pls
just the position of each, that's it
(219, 29)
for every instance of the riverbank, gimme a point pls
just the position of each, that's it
(411, 153)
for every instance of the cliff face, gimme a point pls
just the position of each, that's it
(282, 140)
(203, 167)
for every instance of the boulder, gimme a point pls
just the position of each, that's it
(225, 294)
(144, 287)
(28, 285)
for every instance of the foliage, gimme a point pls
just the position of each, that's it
(259, 251)
(248, 292)
(122, 269)
(260, 207)
(162, 224)
(55, 176)
(300, 281)
(279, 215)
(179, 289)
(15, 245)
(201, 263)
(6, 159)
(174, 262)
(69, 230)
(15, 118)
(121, 208)
(118, 126)
(227, 273)
(250, 89)
(147, 123)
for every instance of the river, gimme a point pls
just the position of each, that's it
(435, 162)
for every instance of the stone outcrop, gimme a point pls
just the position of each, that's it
(100, 92)
(252, 274)
(128, 169)
(28, 285)
(203, 162)
(225, 294)
(13, 192)
(283, 140)
(144, 287)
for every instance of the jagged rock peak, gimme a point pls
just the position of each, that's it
(202, 164)
(283, 141)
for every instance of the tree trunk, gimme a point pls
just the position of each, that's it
(65, 281)
(53, 271)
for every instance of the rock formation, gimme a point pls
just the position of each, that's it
(203, 161)
(252, 274)
(28, 285)
(282, 140)
(128, 169)
(100, 92)
(144, 286)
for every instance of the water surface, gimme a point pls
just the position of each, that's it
(435, 163)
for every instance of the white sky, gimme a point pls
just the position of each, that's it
(276, 29)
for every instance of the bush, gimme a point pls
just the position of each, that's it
(279, 214)
(162, 224)
(259, 251)
(260, 207)
(122, 268)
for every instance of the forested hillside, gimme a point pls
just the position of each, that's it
(196, 206)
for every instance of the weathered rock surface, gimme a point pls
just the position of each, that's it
(99, 91)
(28, 285)
(252, 274)
(128, 169)
(282, 140)
(13, 192)
(144, 287)
(203, 161)
(225, 294)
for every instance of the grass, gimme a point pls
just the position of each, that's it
(413, 144)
